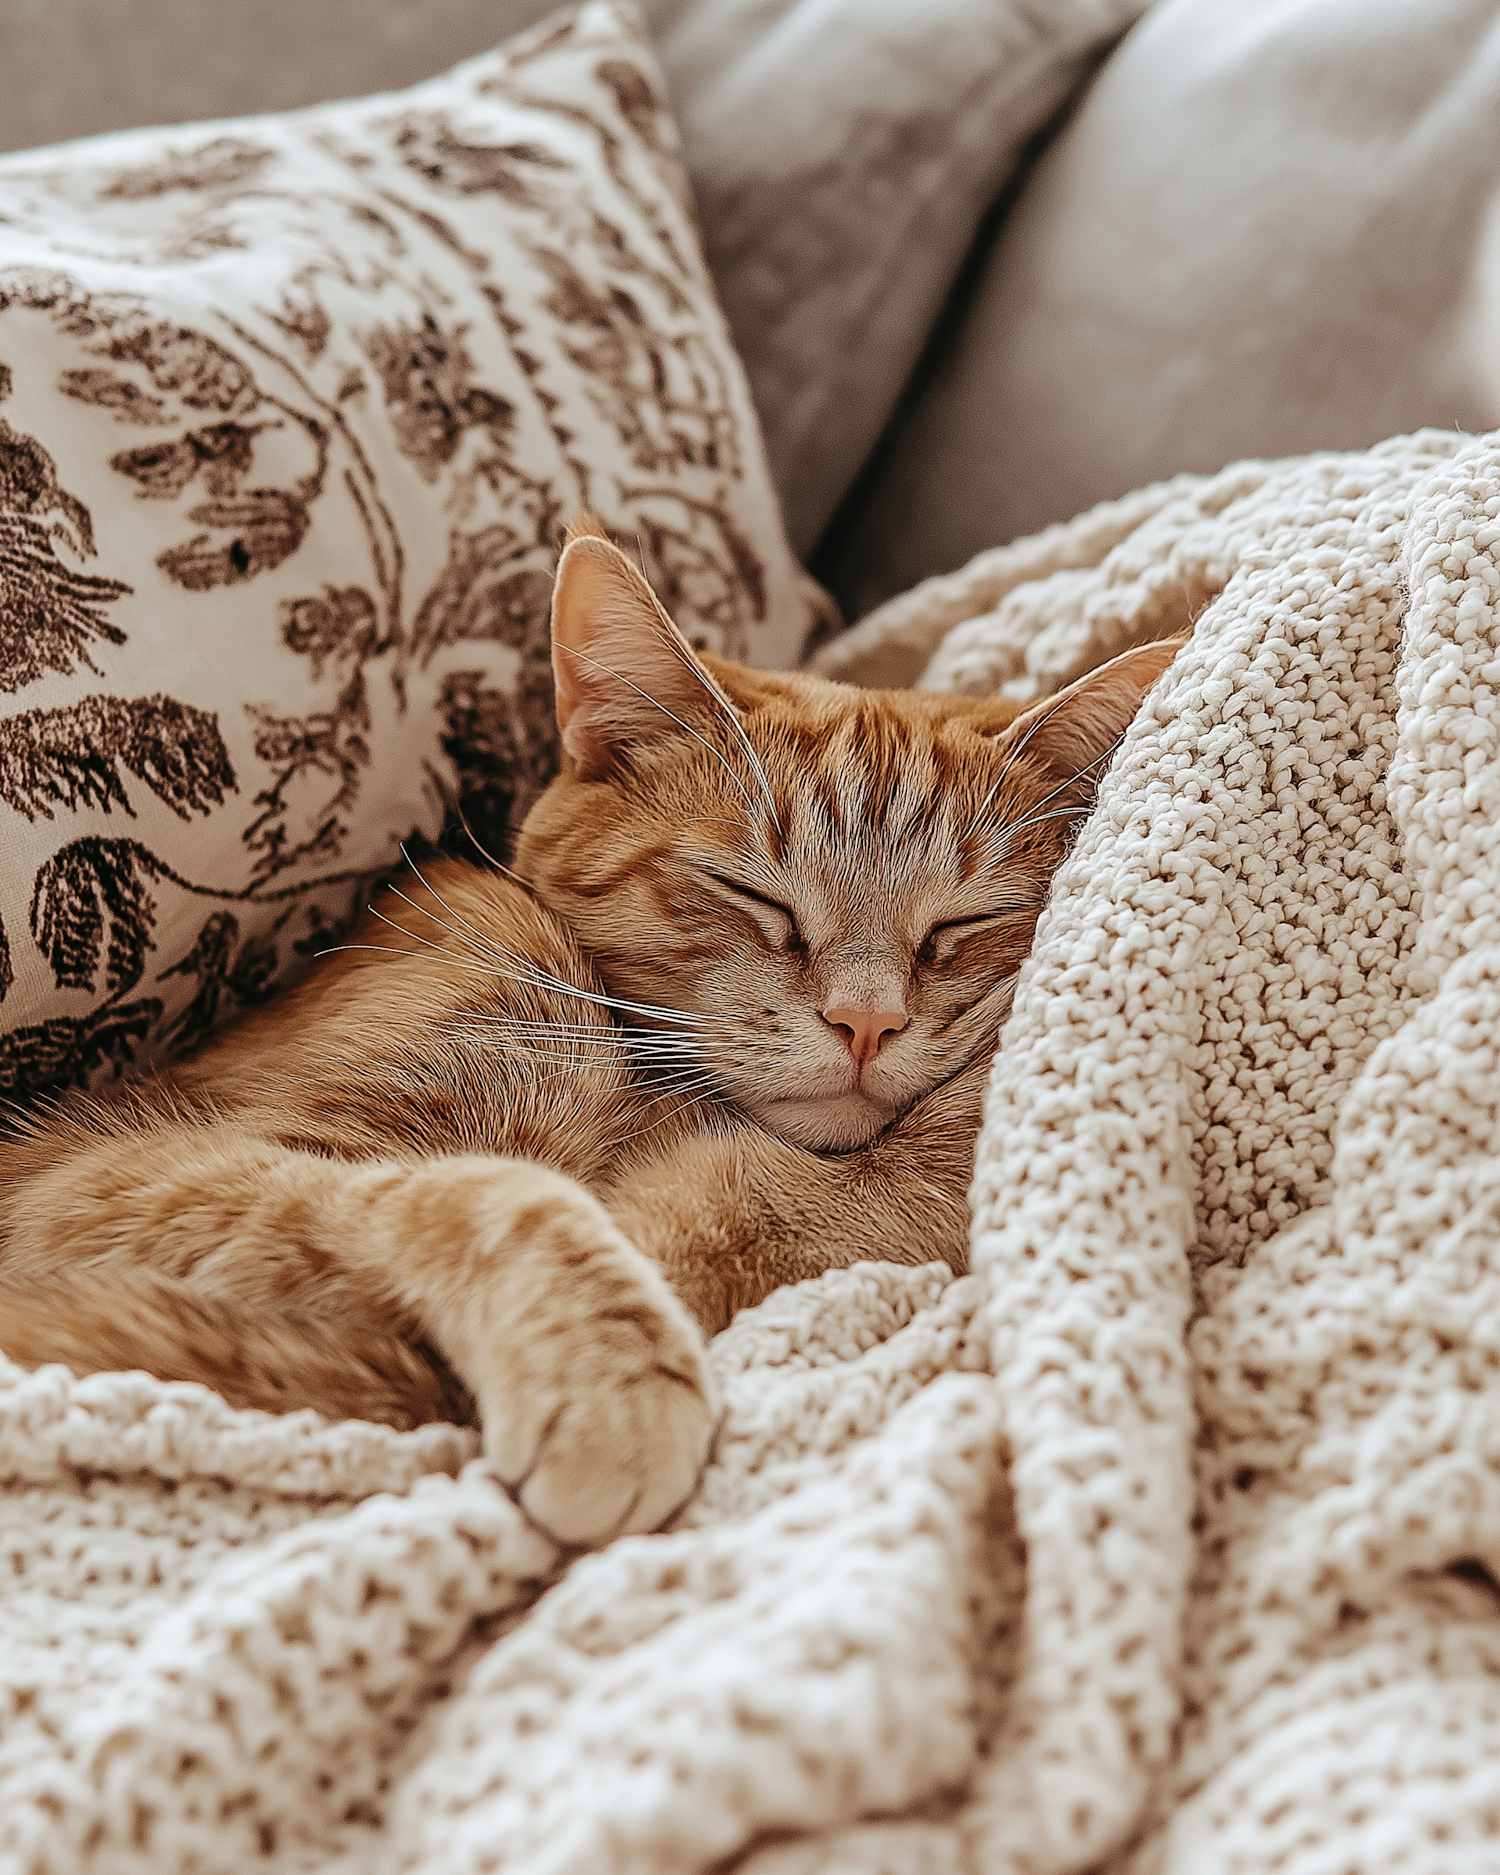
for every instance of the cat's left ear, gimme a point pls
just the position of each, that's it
(625, 676)
(1075, 730)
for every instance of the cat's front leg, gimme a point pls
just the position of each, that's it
(286, 1278)
(590, 1378)
(733, 1214)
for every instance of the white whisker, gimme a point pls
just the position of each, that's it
(534, 974)
(474, 841)
(488, 942)
(422, 912)
(474, 962)
(1034, 818)
(618, 1041)
(387, 950)
(696, 1099)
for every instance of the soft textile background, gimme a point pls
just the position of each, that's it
(215, 1655)
(1266, 229)
(1236, 1189)
(842, 152)
(293, 412)
(1165, 1543)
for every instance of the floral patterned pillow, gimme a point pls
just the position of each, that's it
(293, 411)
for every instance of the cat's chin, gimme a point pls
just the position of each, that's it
(834, 1123)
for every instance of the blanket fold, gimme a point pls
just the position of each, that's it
(1165, 1542)
(1236, 1200)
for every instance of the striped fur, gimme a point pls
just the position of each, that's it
(527, 1138)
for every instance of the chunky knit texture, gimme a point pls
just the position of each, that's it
(1163, 1542)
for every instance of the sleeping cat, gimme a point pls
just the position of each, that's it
(527, 1139)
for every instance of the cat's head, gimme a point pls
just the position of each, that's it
(826, 892)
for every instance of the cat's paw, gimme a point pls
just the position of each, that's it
(600, 1421)
(622, 1454)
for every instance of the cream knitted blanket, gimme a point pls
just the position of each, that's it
(1160, 1542)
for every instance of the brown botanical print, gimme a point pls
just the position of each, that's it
(479, 740)
(241, 531)
(230, 971)
(333, 744)
(304, 322)
(49, 613)
(71, 1051)
(92, 905)
(208, 964)
(700, 563)
(107, 390)
(222, 451)
(485, 592)
(339, 625)
(639, 102)
(302, 613)
(440, 156)
(663, 396)
(426, 375)
(253, 529)
(224, 163)
(201, 373)
(253, 533)
(68, 759)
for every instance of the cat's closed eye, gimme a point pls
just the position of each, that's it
(943, 939)
(776, 920)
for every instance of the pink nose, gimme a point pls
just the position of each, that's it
(864, 1030)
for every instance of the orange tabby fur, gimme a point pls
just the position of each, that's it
(522, 1144)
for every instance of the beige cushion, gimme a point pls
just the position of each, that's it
(1255, 238)
(294, 410)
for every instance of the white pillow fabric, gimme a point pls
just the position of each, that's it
(292, 413)
(1256, 237)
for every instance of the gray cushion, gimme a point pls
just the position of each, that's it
(1256, 237)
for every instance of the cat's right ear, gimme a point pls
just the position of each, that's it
(625, 676)
(1074, 732)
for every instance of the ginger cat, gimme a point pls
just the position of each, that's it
(526, 1140)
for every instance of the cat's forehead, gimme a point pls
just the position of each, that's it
(886, 818)
(835, 788)
(874, 773)
(847, 798)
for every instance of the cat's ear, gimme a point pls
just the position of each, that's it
(625, 676)
(1076, 729)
